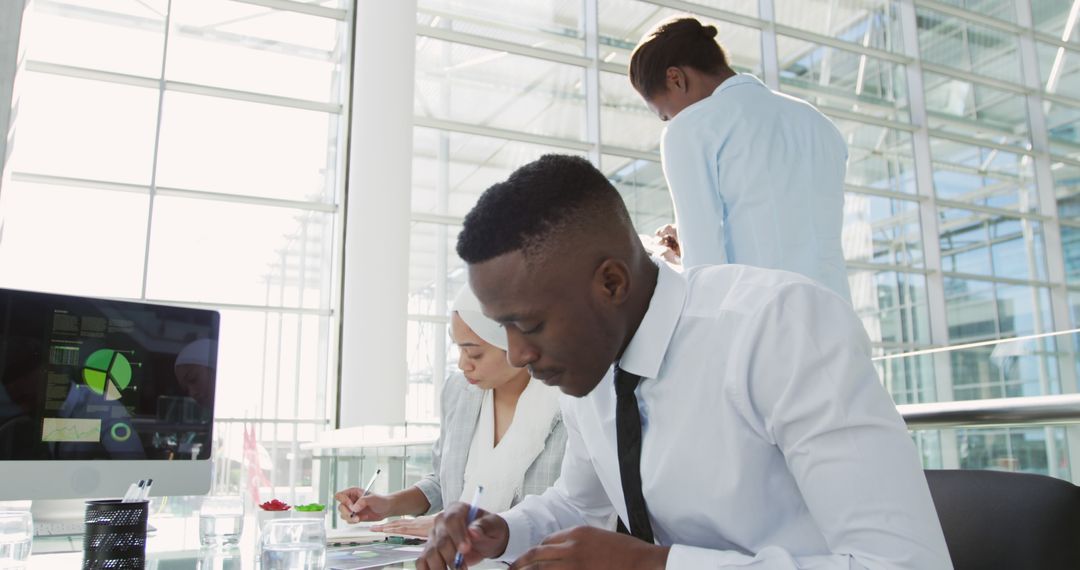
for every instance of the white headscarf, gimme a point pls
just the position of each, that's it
(467, 306)
(199, 352)
(501, 470)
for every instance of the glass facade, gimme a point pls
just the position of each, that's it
(961, 219)
(951, 230)
(132, 160)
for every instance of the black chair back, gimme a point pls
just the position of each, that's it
(996, 520)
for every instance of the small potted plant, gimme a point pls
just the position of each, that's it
(273, 509)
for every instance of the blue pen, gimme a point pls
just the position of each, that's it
(459, 559)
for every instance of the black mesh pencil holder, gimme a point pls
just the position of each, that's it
(115, 536)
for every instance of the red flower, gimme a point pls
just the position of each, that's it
(274, 505)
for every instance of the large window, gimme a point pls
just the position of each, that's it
(944, 231)
(188, 152)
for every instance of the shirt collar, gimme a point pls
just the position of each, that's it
(738, 79)
(645, 353)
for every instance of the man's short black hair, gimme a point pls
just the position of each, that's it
(553, 194)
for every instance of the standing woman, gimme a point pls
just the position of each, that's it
(756, 177)
(500, 429)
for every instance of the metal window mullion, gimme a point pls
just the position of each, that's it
(653, 156)
(1056, 41)
(495, 132)
(891, 194)
(251, 97)
(330, 336)
(713, 13)
(924, 173)
(444, 219)
(971, 16)
(483, 42)
(299, 8)
(770, 53)
(591, 19)
(996, 279)
(1052, 243)
(972, 77)
(1064, 159)
(157, 147)
(868, 266)
(991, 210)
(829, 41)
(442, 193)
(277, 368)
(928, 210)
(276, 309)
(297, 361)
(11, 58)
(249, 200)
(178, 86)
(964, 139)
(867, 119)
(35, 178)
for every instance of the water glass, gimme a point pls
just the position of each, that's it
(16, 536)
(221, 521)
(293, 544)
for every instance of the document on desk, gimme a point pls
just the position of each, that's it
(371, 556)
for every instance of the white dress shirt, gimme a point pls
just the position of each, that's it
(757, 178)
(768, 440)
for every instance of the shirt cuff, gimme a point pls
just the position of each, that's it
(521, 535)
(433, 492)
(683, 557)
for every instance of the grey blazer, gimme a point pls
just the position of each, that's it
(460, 414)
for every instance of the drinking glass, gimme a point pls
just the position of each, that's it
(293, 544)
(221, 521)
(16, 536)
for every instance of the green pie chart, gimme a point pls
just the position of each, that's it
(107, 372)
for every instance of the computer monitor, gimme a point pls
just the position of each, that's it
(96, 394)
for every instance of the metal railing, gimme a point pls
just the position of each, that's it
(1051, 367)
(1032, 410)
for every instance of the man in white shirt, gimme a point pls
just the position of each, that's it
(756, 177)
(742, 424)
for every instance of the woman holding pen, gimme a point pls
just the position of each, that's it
(500, 430)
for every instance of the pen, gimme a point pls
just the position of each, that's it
(367, 488)
(459, 559)
(133, 493)
(146, 490)
(129, 493)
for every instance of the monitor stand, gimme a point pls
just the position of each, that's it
(62, 511)
(58, 510)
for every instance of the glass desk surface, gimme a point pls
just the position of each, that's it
(175, 546)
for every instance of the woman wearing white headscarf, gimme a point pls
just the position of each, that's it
(500, 430)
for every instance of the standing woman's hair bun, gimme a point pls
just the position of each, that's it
(676, 42)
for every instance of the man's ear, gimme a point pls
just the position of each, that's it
(612, 281)
(675, 79)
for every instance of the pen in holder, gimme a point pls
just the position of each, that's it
(115, 536)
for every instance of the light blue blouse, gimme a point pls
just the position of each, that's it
(757, 178)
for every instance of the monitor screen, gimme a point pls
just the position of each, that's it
(89, 379)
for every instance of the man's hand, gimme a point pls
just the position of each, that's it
(589, 548)
(354, 506)
(669, 238)
(419, 526)
(486, 537)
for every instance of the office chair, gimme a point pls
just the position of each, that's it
(996, 520)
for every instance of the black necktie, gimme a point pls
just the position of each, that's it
(628, 434)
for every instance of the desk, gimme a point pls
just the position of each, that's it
(175, 546)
